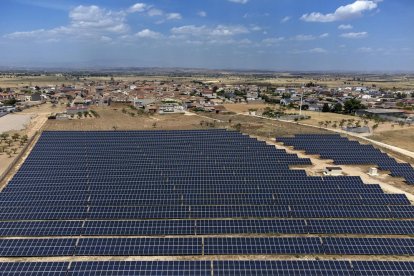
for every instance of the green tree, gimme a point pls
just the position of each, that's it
(352, 105)
(4, 136)
(24, 138)
(337, 108)
(15, 136)
(326, 108)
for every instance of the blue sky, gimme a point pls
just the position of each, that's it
(355, 35)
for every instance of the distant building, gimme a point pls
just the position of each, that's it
(140, 103)
(381, 112)
(76, 109)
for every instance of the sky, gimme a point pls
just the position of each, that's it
(280, 35)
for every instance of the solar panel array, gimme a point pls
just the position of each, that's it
(207, 268)
(344, 151)
(191, 193)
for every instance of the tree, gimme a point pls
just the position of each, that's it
(374, 127)
(4, 136)
(9, 142)
(12, 101)
(352, 105)
(14, 150)
(238, 126)
(320, 123)
(337, 108)
(326, 108)
(15, 136)
(24, 138)
(154, 125)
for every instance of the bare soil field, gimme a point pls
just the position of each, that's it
(387, 132)
(28, 122)
(13, 122)
(112, 118)
(403, 138)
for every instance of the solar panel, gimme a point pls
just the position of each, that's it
(310, 268)
(261, 246)
(177, 268)
(34, 268)
(368, 246)
(390, 268)
(138, 246)
(139, 228)
(36, 247)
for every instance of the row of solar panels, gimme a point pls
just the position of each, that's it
(343, 151)
(204, 246)
(208, 191)
(193, 202)
(183, 212)
(203, 227)
(208, 268)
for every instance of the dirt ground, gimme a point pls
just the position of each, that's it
(35, 118)
(112, 118)
(387, 132)
(403, 138)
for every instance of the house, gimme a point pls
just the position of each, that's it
(5, 96)
(333, 171)
(76, 109)
(171, 108)
(140, 103)
(380, 112)
(36, 96)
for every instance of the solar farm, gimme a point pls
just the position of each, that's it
(344, 151)
(197, 202)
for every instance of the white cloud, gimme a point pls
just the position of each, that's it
(94, 17)
(345, 27)
(220, 30)
(318, 50)
(272, 40)
(138, 7)
(146, 33)
(365, 50)
(255, 28)
(155, 12)
(354, 35)
(350, 11)
(174, 16)
(239, 1)
(285, 19)
(85, 21)
(309, 51)
(325, 35)
(105, 38)
(202, 14)
(303, 37)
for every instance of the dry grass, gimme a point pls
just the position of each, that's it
(403, 138)
(112, 117)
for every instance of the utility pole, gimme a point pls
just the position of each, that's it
(301, 100)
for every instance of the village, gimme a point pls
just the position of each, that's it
(175, 95)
